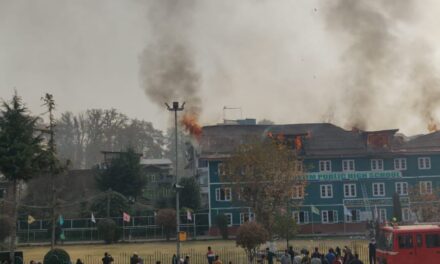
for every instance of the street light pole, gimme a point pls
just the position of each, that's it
(175, 108)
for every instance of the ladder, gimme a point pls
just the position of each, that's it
(372, 232)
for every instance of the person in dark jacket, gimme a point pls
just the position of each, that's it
(372, 251)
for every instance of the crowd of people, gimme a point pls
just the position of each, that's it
(290, 256)
(333, 256)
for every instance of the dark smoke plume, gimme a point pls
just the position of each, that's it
(376, 57)
(168, 72)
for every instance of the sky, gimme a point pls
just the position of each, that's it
(372, 64)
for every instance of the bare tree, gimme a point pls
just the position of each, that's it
(263, 175)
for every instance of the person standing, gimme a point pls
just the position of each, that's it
(330, 256)
(356, 259)
(316, 253)
(270, 255)
(372, 251)
(210, 256)
(186, 261)
(292, 254)
(285, 258)
(217, 260)
(107, 259)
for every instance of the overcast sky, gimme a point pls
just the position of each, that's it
(282, 60)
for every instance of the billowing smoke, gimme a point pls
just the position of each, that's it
(168, 72)
(378, 60)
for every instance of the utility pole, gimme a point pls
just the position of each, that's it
(109, 192)
(176, 109)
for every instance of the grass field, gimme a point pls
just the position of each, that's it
(163, 251)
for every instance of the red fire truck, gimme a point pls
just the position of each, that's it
(410, 244)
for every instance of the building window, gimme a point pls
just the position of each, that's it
(354, 217)
(406, 214)
(325, 165)
(203, 163)
(348, 165)
(405, 241)
(298, 192)
(245, 217)
(229, 218)
(425, 187)
(379, 189)
(377, 164)
(326, 191)
(424, 163)
(223, 194)
(329, 217)
(402, 188)
(350, 190)
(301, 217)
(400, 164)
(299, 167)
(382, 215)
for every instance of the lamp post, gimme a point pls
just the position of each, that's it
(175, 108)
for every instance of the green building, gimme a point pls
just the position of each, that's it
(352, 175)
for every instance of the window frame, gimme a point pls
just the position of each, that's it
(422, 163)
(346, 165)
(334, 216)
(349, 219)
(400, 162)
(296, 216)
(350, 195)
(231, 218)
(242, 217)
(423, 186)
(401, 193)
(298, 192)
(323, 166)
(376, 162)
(378, 194)
(406, 214)
(218, 194)
(326, 191)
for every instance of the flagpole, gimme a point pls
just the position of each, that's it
(195, 228)
(28, 230)
(313, 230)
(123, 229)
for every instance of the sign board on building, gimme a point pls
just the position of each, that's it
(374, 202)
(357, 175)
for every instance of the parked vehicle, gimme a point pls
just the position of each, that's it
(408, 244)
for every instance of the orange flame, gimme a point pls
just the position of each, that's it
(191, 125)
(432, 126)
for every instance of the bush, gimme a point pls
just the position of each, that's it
(6, 224)
(222, 224)
(167, 219)
(250, 236)
(107, 230)
(57, 256)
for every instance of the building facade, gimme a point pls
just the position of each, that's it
(352, 176)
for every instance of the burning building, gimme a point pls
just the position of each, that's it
(352, 175)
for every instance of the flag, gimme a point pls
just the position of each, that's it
(315, 210)
(188, 215)
(30, 219)
(347, 212)
(62, 236)
(125, 217)
(93, 219)
(61, 220)
(376, 213)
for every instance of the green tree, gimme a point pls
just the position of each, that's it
(397, 207)
(189, 194)
(285, 226)
(167, 219)
(21, 151)
(222, 225)
(123, 175)
(250, 236)
(263, 174)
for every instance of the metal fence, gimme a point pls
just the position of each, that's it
(227, 255)
(83, 229)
